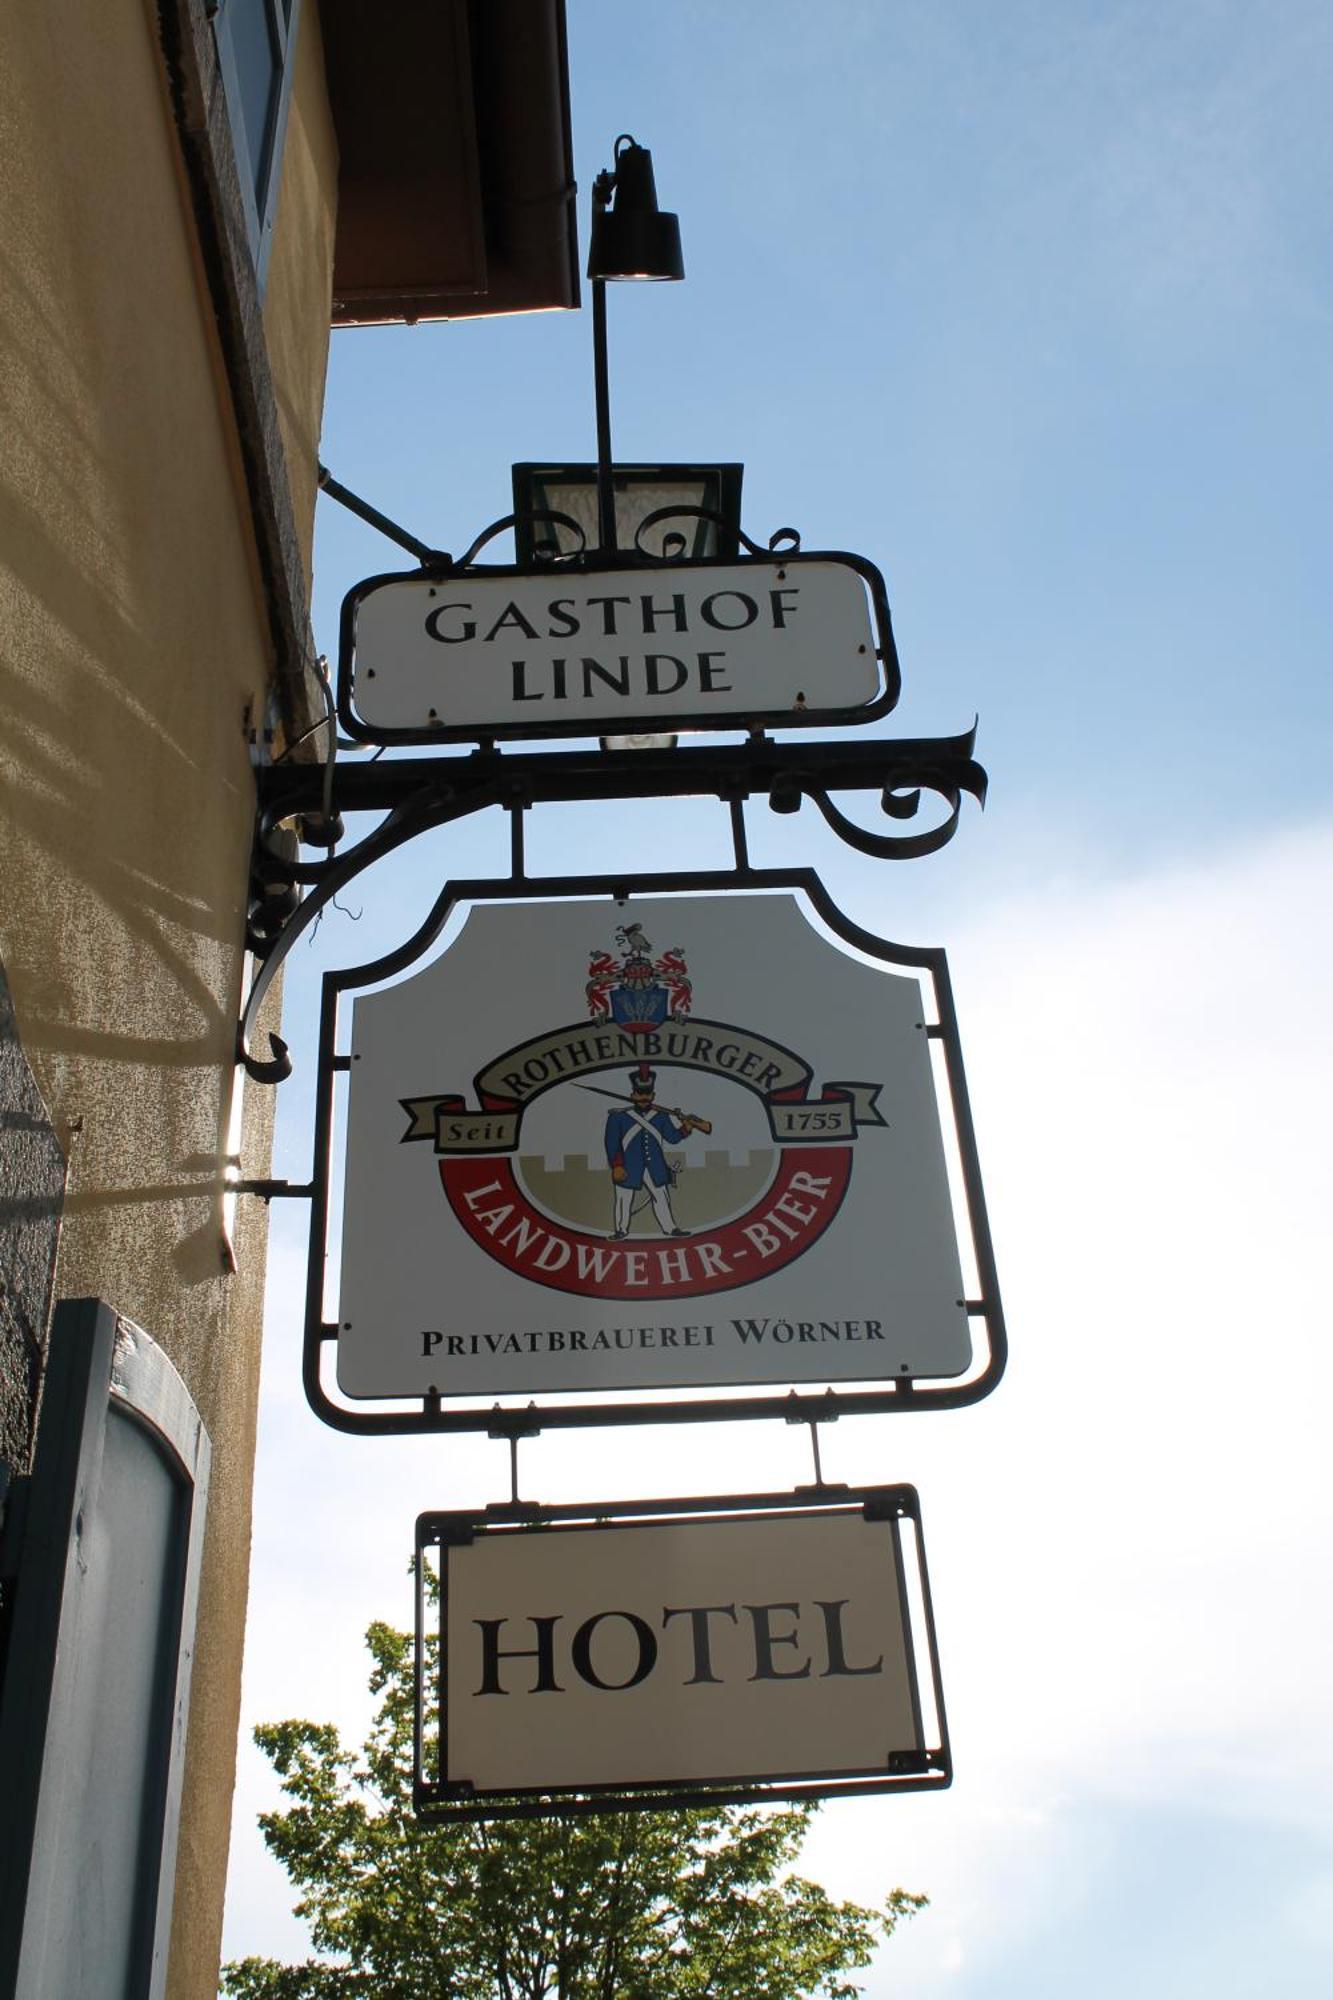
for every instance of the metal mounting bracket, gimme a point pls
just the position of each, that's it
(417, 794)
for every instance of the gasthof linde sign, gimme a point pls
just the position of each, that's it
(602, 650)
(666, 1143)
(650, 1654)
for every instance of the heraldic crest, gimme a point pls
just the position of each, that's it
(637, 992)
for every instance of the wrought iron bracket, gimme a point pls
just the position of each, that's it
(439, 562)
(272, 1190)
(418, 794)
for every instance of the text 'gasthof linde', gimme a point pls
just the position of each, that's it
(587, 676)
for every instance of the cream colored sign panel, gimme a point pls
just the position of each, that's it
(615, 648)
(711, 1650)
(667, 1143)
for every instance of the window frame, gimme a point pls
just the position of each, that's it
(260, 201)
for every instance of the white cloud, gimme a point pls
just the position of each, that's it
(1128, 1540)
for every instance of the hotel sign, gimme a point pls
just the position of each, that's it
(593, 652)
(731, 1651)
(669, 1143)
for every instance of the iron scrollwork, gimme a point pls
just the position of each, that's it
(418, 794)
(547, 552)
(782, 542)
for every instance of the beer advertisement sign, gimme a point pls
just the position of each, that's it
(665, 1143)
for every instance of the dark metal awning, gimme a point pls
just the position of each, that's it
(456, 184)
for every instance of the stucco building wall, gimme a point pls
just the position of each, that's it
(136, 655)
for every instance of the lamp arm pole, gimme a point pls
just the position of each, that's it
(606, 499)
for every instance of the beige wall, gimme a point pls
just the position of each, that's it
(135, 650)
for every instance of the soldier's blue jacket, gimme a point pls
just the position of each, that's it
(639, 1152)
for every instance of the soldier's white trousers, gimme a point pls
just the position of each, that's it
(660, 1198)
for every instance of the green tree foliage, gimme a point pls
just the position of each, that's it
(623, 1906)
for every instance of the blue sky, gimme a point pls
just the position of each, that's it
(1032, 305)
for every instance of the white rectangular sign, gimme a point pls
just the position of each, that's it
(605, 651)
(667, 1143)
(706, 1651)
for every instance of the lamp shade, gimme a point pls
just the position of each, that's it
(634, 238)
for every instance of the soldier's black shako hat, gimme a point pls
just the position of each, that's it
(643, 1080)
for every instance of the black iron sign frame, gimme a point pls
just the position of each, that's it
(430, 1413)
(927, 1768)
(770, 566)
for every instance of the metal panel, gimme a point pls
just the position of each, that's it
(667, 653)
(96, 1692)
(793, 1225)
(622, 1654)
(981, 1304)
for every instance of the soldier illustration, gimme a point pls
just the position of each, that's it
(634, 1139)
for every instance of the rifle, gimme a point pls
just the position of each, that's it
(690, 1121)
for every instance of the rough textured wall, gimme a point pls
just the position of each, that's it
(135, 653)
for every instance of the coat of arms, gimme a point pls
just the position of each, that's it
(637, 991)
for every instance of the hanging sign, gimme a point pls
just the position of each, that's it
(726, 1651)
(659, 1144)
(596, 652)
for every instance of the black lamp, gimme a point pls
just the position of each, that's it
(633, 239)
